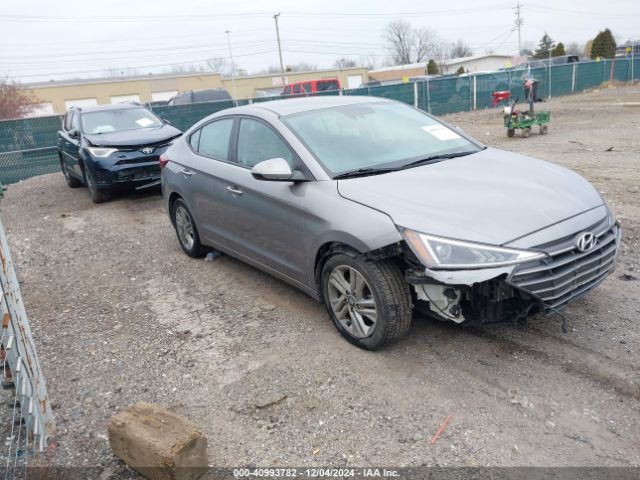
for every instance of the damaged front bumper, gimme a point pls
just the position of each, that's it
(510, 293)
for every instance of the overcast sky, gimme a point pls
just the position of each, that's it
(43, 39)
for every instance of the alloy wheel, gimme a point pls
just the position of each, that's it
(184, 227)
(352, 301)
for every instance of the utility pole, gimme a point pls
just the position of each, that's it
(519, 22)
(233, 67)
(275, 17)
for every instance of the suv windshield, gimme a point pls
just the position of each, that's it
(118, 120)
(374, 135)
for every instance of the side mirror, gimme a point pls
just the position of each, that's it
(274, 169)
(73, 133)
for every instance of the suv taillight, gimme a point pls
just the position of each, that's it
(163, 160)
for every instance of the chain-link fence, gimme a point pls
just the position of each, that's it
(28, 146)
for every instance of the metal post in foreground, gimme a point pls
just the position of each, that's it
(22, 368)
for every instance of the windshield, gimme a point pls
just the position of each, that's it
(118, 120)
(373, 135)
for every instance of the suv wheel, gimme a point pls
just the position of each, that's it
(369, 302)
(72, 181)
(186, 230)
(97, 195)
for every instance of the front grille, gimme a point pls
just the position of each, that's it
(569, 273)
(138, 173)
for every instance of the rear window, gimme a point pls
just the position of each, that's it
(324, 85)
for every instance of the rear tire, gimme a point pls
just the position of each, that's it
(368, 302)
(186, 230)
(544, 129)
(510, 132)
(97, 195)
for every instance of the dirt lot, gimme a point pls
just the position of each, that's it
(120, 314)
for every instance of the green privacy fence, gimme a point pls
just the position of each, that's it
(28, 146)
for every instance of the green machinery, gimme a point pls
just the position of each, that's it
(525, 119)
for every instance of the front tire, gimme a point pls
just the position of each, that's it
(186, 230)
(369, 302)
(72, 181)
(97, 195)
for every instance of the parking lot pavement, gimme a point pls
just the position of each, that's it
(120, 314)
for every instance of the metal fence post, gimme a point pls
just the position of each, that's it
(415, 94)
(475, 91)
(573, 78)
(428, 97)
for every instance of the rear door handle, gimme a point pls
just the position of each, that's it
(235, 190)
(186, 173)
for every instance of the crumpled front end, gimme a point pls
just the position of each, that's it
(568, 271)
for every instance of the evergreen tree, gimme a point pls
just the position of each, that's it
(544, 47)
(604, 45)
(432, 68)
(460, 70)
(558, 51)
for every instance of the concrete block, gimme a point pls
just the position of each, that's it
(157, 443)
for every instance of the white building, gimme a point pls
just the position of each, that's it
(488, 62)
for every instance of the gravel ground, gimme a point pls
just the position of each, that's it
(120, 314)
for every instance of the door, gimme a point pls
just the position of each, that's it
(263, 218)
(200, 181)
(70, 146)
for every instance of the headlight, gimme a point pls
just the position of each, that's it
(101, 152)
(436, 252)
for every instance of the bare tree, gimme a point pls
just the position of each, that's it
(399, 37)
(369, 61)
(460, 49)
(344, 63)
(187, 68)
(301, 67)
(440, 53)
(121, 72)
(574, 48)
(217, 64)
(15, 101)
(409, 45)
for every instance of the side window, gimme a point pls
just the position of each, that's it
(214, 139)
(74, 122)
(296, 88)
(306, 86)
(194, 141)
(325, 85)
(258, 142)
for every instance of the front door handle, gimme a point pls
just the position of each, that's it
(186, 173)
(235, 190)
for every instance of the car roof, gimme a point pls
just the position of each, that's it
(290, 106)
(114, 106)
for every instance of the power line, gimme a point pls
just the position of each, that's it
(205, 17)
(79, 72)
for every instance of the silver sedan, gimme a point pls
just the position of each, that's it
(376, 208)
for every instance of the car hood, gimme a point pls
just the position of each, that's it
(492, 196)
(134, 138)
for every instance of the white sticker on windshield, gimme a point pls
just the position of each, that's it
(144, 122)
(441, 132)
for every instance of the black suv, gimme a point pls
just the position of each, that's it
(112, 147)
